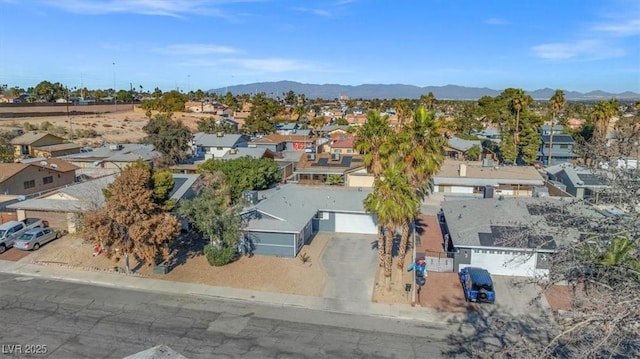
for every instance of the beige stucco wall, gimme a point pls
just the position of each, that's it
(15, 184)
(359, 180)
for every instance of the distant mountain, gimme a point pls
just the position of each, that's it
(370, 91)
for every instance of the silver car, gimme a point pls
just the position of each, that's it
(35, 238)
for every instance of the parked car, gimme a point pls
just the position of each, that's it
(35, 238)
(477, 285)
(11, 230)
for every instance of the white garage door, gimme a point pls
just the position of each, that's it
(356, 223)
(504, 264)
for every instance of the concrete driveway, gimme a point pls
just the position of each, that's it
(514, 297)
(350, 263)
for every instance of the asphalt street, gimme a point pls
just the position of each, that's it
(76, 320)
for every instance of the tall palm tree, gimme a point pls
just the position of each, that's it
(557, 103)
(419, 152)
(393, 199)
(519, 102)
(372, 140)
(601, 115)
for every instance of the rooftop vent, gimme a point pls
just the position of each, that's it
(487, 162)
(463, 170)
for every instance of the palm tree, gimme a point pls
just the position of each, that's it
(419, 152)
(557, 103)
(393, 199)
(601, 115)
(621, 252)
(372, 139)
(335, 180)
(519, 102)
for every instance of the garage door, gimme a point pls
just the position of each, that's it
(502, 263)
(356, 223)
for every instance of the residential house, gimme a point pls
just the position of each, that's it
(356, 119)
(489, 133)
(457, 148)
(252, 152)
(41, 144)
(296, 142)
(35, 176)
(113, 157)
(509, 236)
(315, 168)
(579, 182)
(64, 207)
(281, 220)
(340, 143)
(329, 130)
(486, 179)
(217, 145)
(545, 130)
(575, 123)
(561, 152)
(287, 128)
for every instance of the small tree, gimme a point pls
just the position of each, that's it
(213, 213)
(132, 223)
(171, 138)
(473, 153)
(245, 173)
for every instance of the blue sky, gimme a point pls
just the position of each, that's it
(574, 45)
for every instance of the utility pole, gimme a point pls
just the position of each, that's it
(131, 93)
(68, 116)
(115, 92)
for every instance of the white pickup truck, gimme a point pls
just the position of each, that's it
(11, 230)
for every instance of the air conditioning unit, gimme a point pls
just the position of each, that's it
(233, 151)
(116, 147)
(311, 156)
(219, 134)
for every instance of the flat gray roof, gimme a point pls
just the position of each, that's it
(483, 222)
(88, 195)
(290, 207)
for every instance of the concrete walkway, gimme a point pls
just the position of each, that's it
(334, 305)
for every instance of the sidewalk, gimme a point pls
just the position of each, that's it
(123, 281)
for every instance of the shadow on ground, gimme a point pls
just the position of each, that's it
(484, 331)
(187, 246)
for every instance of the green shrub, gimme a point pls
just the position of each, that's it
(219, 256)
(46, 126)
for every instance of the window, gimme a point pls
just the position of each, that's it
(47, 180)
(219, 148)
(24, 149)
(564, 146)
(29, 184)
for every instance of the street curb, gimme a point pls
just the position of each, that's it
(282, 300)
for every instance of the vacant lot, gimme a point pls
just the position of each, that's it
(123, 126)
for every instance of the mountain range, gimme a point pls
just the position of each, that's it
(380, 91)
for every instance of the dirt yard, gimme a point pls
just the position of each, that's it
(263, 273)
(124, 126)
